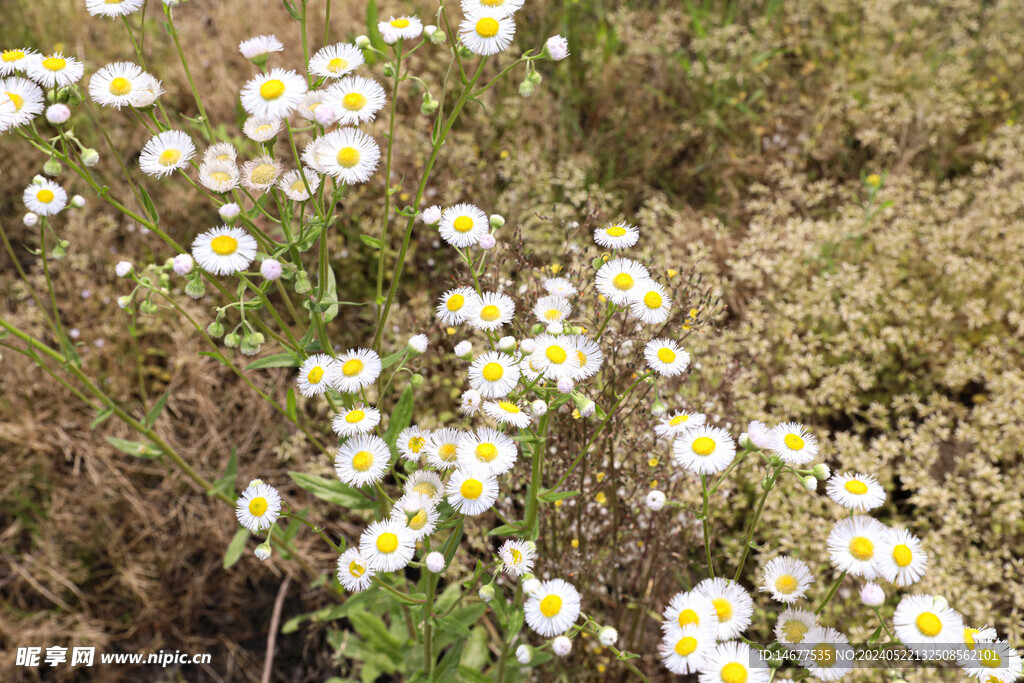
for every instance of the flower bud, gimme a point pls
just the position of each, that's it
(389, 70)
(527, 89)
(195, 287)
(90, 157)
(565, 385)
(418, 343)
(555, 328)
(123, 269)
(507, 344)
(655, 500)
(215, 329)
(30, 220)
(229, 212)
(809, 483)
(58, 114)
(78, 201)
(251, 343)
(497, 221)
(182, 264)
(872, 595)
(302, 283)
(658, 409)
(538, 407)
(530, 585)
(607, 636)
(561, 646)
(435, 562)
(362, 42)
(232, 340)
(557, 48)
(416, 380)
(464, 350)
(325, 115)
(124, 301)
(821, 471)
(487, 593)
(465, 52)
(528, 346)
(147, 307)
(431, 215)
(487, 241)
(534, 77)
(523, 655)
(760, 435)
(263, 551)
(52, 167)
(270, 269)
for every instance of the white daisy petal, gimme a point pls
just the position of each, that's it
(224, 250)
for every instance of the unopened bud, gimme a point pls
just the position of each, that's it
(52, 167)
(90, 157)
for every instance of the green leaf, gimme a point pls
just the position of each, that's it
(226, 484)
(505, 530)
(101, 416)
(290, 408)
(278, 360)
(372, 32)
(157, 408)
(216, 356)
(332, 490)
(401, 417)
(451, 626)
(390, 360)
(136, 448)
(370, 241)
(236, 547)
(472, 675)
(552, 496)
(147, 204)
(449, 664)
(374, 631)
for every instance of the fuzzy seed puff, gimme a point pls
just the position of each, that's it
(925, 625)
(355, 99)
(412, 443)
(490, 311)
(517, 557)
(46, 199)
(794, 444)
(493, 374)
(684, 650)
(553, 608)
(471, 490)
(453, 305)
(224, 250)
(426, 483)
(487, 32)
(166, 152)
(901, 560)
(462, 225)
(355, 369)
(731, 662)
(733, 605)
(675, 423)
(829, 655)
(690, 608)
(616, 236)
(335, 61)
(704, 450)
(353, 573)
(274, 95)
(387, 546)
(787, 579)
(619, 279)
(854, 544)
(55, 70)
(488, 449)
(258, 507)
(347, 154)
(507, 412)
(666, 357)
(314, 375)
(356, 420)
(860, 492)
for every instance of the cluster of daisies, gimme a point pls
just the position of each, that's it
(24, 74)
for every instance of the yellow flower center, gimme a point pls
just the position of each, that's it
(400, 23)
(552, 314)
(17, 99)
(258, 506)
(447, 452)
(794, 442)
(337, 64)
(969, 637)
(704, 445)
(12, 55)
(272, 89)
(508, 407)
(416, 444)
(223, 245)
(929, 624)
(583, 358)
(623, 281)
(471, 489)
(666, 355)
(45, 196)
(687, 617)
(487, 27)
(54, 63)
(686, 646)
(120, 86)
(356, 569)
(556, 354)
(857, 488)
(652, 300)
(455, 302)
(298, 186)
(490, 313)
(315, 375)
(990, 659)
(426, 488)
(678, 420)
(352, 367)
(862, 548)
(418, 521)
(734, 672)
(362, 461)
(724, 609)
(169, 157)
(220, 177)
(615, 231)
(902, 555)
(486, 452)
(355, 416)
(463, 224)
(824, 655)
(794, 631)
(517, 556)
(551, 605)
(492, 3)
(348, 157)
(493, 372)
(353, 101)
(387, 542)
(785, 584)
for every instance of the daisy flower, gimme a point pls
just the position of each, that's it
(553, 608)
(489, 449)
(426, 483)
(294, 187)
(786, 578)
(793, 625)
(794, 444)
(555, 357)
(355, 369)
(651, 303)
(690, 609)
(261, 130)
(411, 442)
(258, 507)
(490, 311)
(15, 60)
(666, 357)
(493, 374)
(46, 199)
(860, 492)
(678, 421)
(219, 176)
(166, 152)
(356, 99)
(618, 280)
(506, 412)
(443, 448)
(353, 573)
(356, 420)
(273, 95)
(901, 560)
(258, 46)
(223, 152)
(589, 355)
(312, 100)
(416, 512)
(362, 459)
(260, 174)
(552, 309)
(224, 250)
(402, 28)
(487, 32)
(470, 401)
(730, 662)
(462, 225)
(54, 71)
(616, 236)
(559, 286)
(387, 546)
(146, 91)
(311, 152)
(994, 662)
(314, 375)
(335, 61)
(684, 650)
(348, 154)
(114, 84)
(451, 310)
(828, 656)
(733, 605)
(704, 449)
(854, 543)
(924, 624)
(113, 8)
(27, 98)
(517, 557)
(972, 637)
(506, 7)
(471, 490)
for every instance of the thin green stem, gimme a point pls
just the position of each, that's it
(769, 484)
(706, 525)
(831, 594)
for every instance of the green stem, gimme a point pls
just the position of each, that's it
(706, 526)
(768, 486)
(831, 594)
(387, 177)
(536, 481)
(188, 73)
